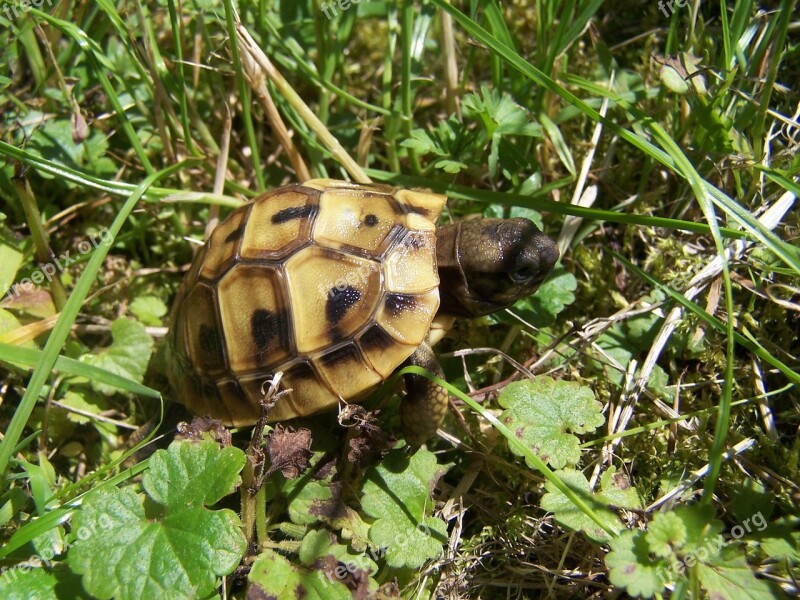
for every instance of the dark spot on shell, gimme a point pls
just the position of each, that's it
(293, 212)
(339, 302)
(340, 356)
(264, 326)
(398, 303)
(210, 343)
(400, 208)
(370, 220)
(376, 339)
(236, 234)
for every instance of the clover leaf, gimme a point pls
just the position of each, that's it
(397, 494)
(165, 544)
(570, 516)
(555, 294)
(542, 411)
(678, 544)
(127, 356)
(272, 576)
(666, 532)
(633, 567)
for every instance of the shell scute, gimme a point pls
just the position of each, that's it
(407, 317)
(222, 248)
(382, 351)
(425, 204)
(411, 264)
(346, 371)
(204, 340)
(353, 220)
(332, 295)
(280, 223)
(235, 406)
(309, 393)
(254, 316)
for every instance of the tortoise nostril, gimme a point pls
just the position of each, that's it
(549, 254)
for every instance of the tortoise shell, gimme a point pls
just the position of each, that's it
(334, 284)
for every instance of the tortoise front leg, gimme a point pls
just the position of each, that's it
(425, 403)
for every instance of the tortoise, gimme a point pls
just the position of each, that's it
(336, 285)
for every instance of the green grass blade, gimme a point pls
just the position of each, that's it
(561, 146)
(30, 531)
(62, 328)
(27, 38)
(302, 64)
(781, 180)
(789, 254)
(412, 43)
(578, 24)
(116, 188)
(539, 201)
(684, 169)
(121, 27)
(777, 41)
(31, 357)
(497, 25)
(40, 525)
(180, 89)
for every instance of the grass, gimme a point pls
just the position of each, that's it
(661, 152)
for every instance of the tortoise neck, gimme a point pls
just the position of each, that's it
(453, 287)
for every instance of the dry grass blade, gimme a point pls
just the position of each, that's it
(221, 170)
(256, 77)
(691, 481)
(250, 47)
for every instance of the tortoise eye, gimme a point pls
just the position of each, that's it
(523, 273)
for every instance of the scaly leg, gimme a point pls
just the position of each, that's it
(425, 403)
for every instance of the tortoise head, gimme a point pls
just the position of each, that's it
(488, 264)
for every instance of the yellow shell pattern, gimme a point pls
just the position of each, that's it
(332, 283)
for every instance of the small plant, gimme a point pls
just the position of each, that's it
(683, 548)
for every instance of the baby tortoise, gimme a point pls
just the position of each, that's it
(336, 285)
